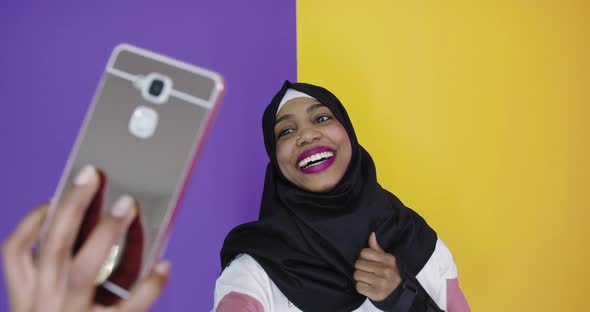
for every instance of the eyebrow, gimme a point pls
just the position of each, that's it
(308, 110)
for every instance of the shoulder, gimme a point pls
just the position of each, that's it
(437, 271)
(242, 282)
(443, 259)
(241, 266)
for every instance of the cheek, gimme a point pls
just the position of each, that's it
(341, 138)
(283, 156)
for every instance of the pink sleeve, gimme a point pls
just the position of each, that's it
(234, 302)
(456, 301)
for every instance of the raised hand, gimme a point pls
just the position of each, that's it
(56, 280)
(376, 274)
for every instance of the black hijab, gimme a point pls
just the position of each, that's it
(308, 242)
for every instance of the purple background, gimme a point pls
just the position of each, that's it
(52, 56)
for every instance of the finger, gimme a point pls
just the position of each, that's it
(364, 289)
(68, 215)
(90, 259)
(19, 268)
(373, 255)
(365, 277)
(369, 266)
(148, 290)
(56, 247)
(19, 245)
(373, 244)
(26, 233)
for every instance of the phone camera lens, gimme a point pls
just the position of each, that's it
(156, 87)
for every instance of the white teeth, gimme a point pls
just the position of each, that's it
(314, 157)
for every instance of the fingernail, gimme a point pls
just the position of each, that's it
(122, 206)
(162, 268)
(85, 176)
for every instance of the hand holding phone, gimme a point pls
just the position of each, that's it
(142, 133)
(56, 280)
(141, 136)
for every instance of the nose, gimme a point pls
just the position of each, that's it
(308, 135)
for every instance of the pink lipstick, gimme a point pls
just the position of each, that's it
(316, 159)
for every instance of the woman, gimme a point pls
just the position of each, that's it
(329, 238)
(325, 241)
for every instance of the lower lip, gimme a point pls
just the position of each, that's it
(318, 167)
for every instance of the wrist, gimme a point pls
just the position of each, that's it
(390, 301)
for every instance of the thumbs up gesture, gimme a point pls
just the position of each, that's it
(376, 274)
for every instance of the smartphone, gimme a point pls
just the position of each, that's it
(143, 132)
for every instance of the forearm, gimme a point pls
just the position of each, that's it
(456, 301)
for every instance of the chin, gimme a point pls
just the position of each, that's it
(322, 188)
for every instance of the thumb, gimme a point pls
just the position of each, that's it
(373, 244)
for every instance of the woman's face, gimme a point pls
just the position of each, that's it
(317, 160)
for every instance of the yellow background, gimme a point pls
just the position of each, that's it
(477, 116)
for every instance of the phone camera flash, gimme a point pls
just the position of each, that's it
(143, 122)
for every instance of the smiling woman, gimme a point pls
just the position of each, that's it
(329, 238)
(313, 149)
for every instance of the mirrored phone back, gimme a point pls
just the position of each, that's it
(143, 129)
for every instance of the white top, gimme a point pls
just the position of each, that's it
(244, 275)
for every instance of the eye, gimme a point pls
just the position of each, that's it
(284, 132)
(322, 118)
